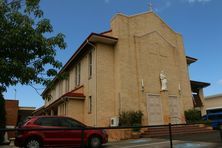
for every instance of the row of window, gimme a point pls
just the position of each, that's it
(62, 122)
(62, 88)
(78, 69)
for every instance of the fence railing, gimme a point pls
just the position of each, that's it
(169, 126)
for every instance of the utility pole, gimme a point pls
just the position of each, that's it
(15, 93)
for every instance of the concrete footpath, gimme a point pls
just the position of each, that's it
(161, 143)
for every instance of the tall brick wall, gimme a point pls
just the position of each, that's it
(11, 107)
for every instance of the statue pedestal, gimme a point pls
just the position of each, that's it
(165, 106)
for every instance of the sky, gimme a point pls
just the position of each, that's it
(199, 22)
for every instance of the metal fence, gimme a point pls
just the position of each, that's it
(173, 132)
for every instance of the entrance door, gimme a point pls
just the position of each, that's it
(174, 109)
(154, 109)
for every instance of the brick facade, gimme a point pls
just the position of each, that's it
(11, 108)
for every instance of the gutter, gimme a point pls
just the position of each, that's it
(95, 114)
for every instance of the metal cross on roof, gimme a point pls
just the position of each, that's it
(150, 6)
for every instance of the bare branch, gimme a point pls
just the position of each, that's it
(36, 89)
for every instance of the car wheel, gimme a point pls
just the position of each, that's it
(95, 142)
(33, 143)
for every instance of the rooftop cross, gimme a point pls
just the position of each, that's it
(150, 6)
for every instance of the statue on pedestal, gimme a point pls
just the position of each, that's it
(163, 80)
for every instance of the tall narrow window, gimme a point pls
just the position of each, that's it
(90, 105)
(67, 83)
(78, 69)
(90, 64)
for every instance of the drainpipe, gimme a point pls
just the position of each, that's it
(95, 115)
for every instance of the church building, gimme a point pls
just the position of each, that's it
(139, 64)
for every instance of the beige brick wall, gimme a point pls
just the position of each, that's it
(212, 102)
(75, 109)
(146, 46)
(106, 100)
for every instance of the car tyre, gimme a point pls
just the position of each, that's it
(95, 142)
(33, 143)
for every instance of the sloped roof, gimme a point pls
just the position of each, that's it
(72, 95)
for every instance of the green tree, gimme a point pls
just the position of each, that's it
(27, 51)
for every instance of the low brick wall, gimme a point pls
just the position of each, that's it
(119, 134)
(122, 134)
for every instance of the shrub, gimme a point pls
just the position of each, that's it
(130, 118)
(192, 116)
(136, 127)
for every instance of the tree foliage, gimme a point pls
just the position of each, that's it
(27, 53)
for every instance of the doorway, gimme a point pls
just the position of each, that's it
(154, 109)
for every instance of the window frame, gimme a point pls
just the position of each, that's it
(77, 74)
(90, 64)
(40, 123)
(90, 105)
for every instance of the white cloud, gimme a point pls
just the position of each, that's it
(220, 82)
(107, 1)
(167, 4)
(199, 1)
(164, 7)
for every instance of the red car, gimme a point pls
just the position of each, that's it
(57, 135)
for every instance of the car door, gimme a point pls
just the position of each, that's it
(72, 136)
(51, 136)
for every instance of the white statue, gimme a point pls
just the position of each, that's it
(163, 80)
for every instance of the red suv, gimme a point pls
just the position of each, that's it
(56, 134)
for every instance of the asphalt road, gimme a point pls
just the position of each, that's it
(203, 140)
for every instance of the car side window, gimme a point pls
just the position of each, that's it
(47, 121)
(66, 122)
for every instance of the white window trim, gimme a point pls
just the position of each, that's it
(90, 64)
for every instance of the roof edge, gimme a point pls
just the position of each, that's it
(212, 96)
(201, 84)
(190, 60)
(142, 13)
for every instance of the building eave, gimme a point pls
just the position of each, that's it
(190, 60)
(94, 38)
(198, 85)
(26, 108)
(40, 109)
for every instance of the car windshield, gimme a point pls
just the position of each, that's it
(21, 123)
